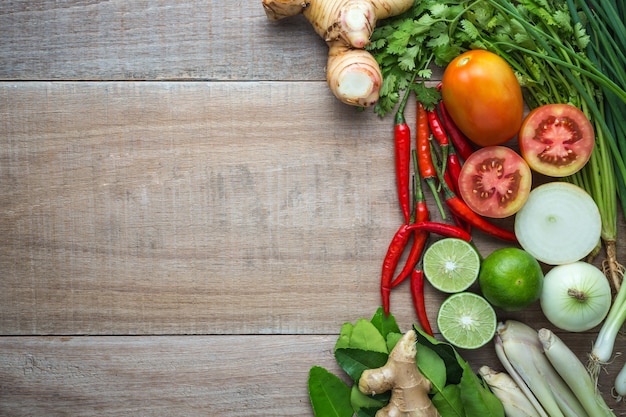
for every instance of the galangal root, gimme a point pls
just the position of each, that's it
(352, 73)
(409, 388)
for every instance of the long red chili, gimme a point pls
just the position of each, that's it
(454, 168)
(440, 134)
(425, 161)
(390, 263)
(402, 145)
(458, 138)
(462, 210)
(420, 237)
(419, 303)
(451, 177)
(442, 229)
(398, 244)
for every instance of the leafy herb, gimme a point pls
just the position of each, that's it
(456, 390)
(562, 51)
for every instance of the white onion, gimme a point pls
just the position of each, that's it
(575, 297)
(559, 223)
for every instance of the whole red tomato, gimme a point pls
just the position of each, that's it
(483, 97)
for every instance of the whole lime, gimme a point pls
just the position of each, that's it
(511, 279)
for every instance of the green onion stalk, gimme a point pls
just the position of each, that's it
(585, 67)
(556, 58)
(562, 51)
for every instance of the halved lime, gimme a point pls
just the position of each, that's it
(451, 265)
(466, 320)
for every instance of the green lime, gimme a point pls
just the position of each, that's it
(511, 279)
(466, 320)
(451, 265)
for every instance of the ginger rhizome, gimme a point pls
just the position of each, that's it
(352, 73)
(409, 388)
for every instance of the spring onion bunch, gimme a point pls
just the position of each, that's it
(555, 47)
(563, 51)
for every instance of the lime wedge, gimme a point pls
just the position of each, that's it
(466, 320)
(451, 265)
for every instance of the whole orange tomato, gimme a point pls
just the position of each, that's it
(483, 97)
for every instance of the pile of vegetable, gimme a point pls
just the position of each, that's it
(561, 51)
(396, 374)
(477, 150)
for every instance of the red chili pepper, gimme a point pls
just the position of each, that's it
(454, 168)
(425, 161)
(420, 237)
(451, 177)
(440, 134)
(402, 145)
(419, 303)
(436, 127)
(458, 139)
(442, 229)
(390, 263)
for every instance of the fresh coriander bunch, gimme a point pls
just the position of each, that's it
(411, 43)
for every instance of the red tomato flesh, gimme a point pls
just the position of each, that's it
(495, 181)
(556, 139)
(483, 97)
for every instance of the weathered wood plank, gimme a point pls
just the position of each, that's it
(188, 208)
(193, 208)
(147, 40)
(220, 376)
(159, 376)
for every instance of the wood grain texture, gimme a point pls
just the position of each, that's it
(188, 207)
(192, 208)
(187, 215)
(226, 376)
(155, 40)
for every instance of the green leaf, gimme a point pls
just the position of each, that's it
(432, 367)
(470, 29)
(477, 399)
(366, 336)
(454, 371)
(343, 341)
(448, 402)
(362, 335)
(428, 96)
(366, 405)
(355, 361)
(329, 395)
(392, 340)
(384, 324)
(439, 10)
(366, 412)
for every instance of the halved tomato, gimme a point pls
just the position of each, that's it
(556, 139)
(483, 97)
(495, 181)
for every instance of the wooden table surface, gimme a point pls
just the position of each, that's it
(188, 216)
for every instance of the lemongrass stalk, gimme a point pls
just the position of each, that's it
(519, 380)
(605, 341)
(514, 401)
(521, 347)
(619, 385)
(574, 373)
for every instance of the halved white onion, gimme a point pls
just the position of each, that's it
(560, 223)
